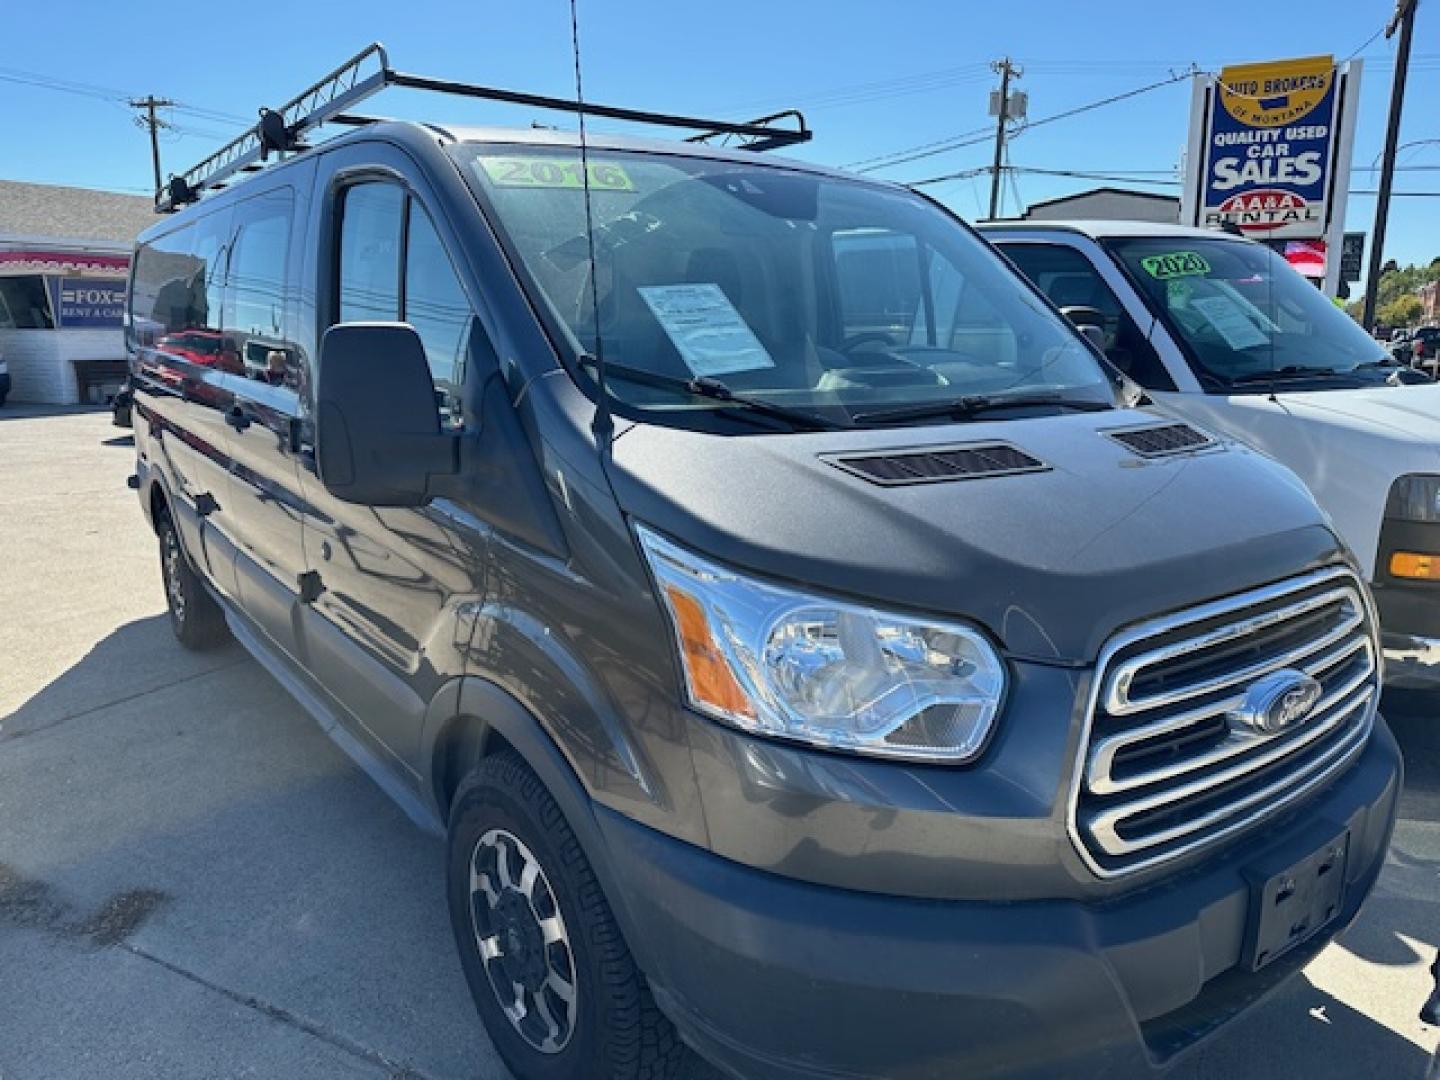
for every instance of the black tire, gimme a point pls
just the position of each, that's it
(195, 617)
(612, 1029)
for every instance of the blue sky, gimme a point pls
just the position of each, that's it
(874, 78)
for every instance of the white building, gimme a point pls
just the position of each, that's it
(64, 256)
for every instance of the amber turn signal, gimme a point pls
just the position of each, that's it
(711, 682)
(1411, 564)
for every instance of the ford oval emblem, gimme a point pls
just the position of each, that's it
(1276, 703)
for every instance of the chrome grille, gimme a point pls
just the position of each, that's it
(1164, 770)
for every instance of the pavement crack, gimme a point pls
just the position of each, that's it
(284, 1016)
(112, 702)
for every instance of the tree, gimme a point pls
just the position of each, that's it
(1402, 311)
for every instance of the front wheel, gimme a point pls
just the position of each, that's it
(550, 973)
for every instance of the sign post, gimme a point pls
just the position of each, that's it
(1269, 154)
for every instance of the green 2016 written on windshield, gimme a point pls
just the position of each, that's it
(1176, 264)
(544, 172)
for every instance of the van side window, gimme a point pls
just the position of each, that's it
(392, 266)
(1068, 278)
(255, 293)
(160, 293)
(372, 216)
(435, 305)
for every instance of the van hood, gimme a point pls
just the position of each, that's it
(1408, 413)
(1051, 563)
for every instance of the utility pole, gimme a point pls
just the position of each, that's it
(150, 103)
(1000, 105)
(1404, 19)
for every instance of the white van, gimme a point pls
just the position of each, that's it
(1222, 332)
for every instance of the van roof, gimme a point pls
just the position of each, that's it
(420, 135)
(610, 141)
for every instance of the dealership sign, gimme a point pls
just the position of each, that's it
(1270, 149)
(88, 302)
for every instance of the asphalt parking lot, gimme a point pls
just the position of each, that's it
(195, 883)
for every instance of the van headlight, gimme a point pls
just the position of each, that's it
(776, 661)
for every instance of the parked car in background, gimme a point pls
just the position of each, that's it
(1221, 331)
(803, 648)
(1422, 350)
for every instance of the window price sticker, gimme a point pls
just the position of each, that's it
(548, 172)
(1177, 264)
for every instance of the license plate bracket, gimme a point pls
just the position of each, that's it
(1291, 903)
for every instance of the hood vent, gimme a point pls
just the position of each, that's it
(893, 468)
(1162, 441)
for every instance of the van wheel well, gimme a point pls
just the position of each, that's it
(158, 506)
(464, 743)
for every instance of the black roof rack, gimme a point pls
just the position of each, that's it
(282, 130)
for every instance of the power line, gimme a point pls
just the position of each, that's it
(1368, 42)
(107, 93)
(1111, 100)
(956, 142)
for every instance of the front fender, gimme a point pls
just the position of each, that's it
(489, 710)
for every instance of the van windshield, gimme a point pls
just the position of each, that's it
(1243, 314)
(844, 299)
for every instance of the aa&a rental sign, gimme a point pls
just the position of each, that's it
(1272, 148)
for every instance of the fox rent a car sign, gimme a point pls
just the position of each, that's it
(1269, 148)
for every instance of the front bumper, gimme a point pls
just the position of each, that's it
(772, 977)
(1410, 633)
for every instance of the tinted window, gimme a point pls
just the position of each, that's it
(160, 294)
(369, 286)
(436, 306)
(255, 290)
(24, 303)
(193, 329)
(392, 266)
(1069, 279)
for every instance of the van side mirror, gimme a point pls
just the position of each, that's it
(1089, 321)
(377, 429)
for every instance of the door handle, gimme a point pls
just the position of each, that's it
(237, 418)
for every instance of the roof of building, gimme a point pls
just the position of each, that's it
(1090, 193)
(37, 211)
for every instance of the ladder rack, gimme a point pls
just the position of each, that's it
(283, 130)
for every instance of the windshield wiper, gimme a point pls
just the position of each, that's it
(1289, 371)
(703, 386)
(977, 404)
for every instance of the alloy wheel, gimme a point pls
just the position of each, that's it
(523, 941)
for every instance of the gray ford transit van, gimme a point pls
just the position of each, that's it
(809, 658)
